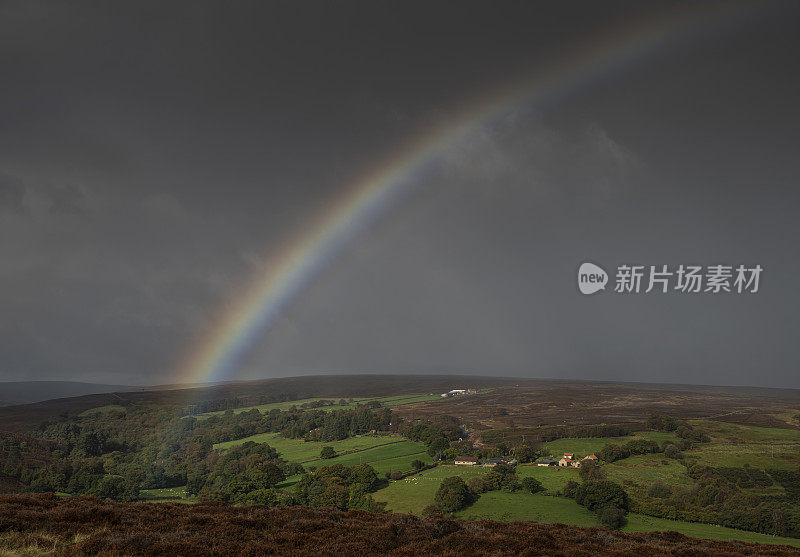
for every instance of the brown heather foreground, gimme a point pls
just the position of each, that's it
(47, 525)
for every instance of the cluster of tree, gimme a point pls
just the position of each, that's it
(607, 499)
(612, 452)
(453, 495)
(247, 473)
(437, 433)
(545, 434)
(689, 436)
(312, 425)
(522, 453)
(116, 452)
(662, 422)
(717, 497)
(340, 487)
(500, 477)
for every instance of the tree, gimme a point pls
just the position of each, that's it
(596, 495)
(662, 422)
(327, 452)
(659, 490)
(112, 487)
(591, 471)
(571, 489)
(641, 446)
(532, 485)
(611, 516)
(417, 464)
(452, 495)
(671, 450)
(437, 444)
(612, 452)
(91, 442)
(524, 453)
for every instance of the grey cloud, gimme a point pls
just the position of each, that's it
(154, 157)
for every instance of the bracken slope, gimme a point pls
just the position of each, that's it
(45, 524)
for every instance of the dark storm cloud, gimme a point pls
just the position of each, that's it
(152, 156)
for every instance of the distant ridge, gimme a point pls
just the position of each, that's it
(26, 392)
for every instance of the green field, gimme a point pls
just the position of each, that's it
(297, 450)
(645, 470)
(763, 456)
(166, 495)
(414, 493)
(496, 505)
(411, 495)
(385, 453)
(642, 523)
(396, 457)
(723, 431)
(586, 446)
(737, 445)
(396, 400)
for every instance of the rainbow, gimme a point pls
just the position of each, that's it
(301, 261)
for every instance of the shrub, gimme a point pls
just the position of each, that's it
(662, 422)
(641, 446)
(437, 444)
(476, 485)
(532, 485)
(613, 452)
(453, 494)
(571, 489)
(591, 471)
(659, 490)
(596, 495)
(672, 451)
(417, 464)
(327, 452)
(524, 454)
(612, 517)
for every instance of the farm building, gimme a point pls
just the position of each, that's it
(454, 392)
(494, 462)
(466, 460)
(590, 458)
(546, 462)
(568, 460)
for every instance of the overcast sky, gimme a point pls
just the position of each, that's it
(154, 155)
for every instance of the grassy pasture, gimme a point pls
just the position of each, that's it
(496, 505)
(644, 470)
(643, 523)
(385, 453)
(411, 495)
(297, 450)
(166, 495)
(737, 445)
(761, 455)
(585, 446)
(396, 457)
(738, 433)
